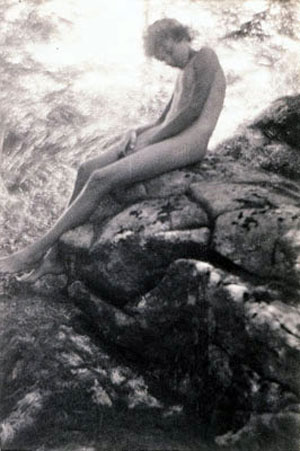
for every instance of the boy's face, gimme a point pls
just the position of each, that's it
(174, 53)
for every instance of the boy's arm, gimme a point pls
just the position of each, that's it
(161, 118)
(205, 66)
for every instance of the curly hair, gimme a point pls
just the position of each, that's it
(163, 29)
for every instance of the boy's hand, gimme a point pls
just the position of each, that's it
(132, 139)
(128, 140)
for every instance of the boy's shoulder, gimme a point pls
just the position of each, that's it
(205, 53)
(205, 57)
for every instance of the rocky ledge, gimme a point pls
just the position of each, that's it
(193, 279)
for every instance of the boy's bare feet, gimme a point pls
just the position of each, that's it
(20, 261)
(51, 264)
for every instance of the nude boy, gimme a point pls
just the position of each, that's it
(178, 138)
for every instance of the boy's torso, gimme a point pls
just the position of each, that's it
(183, 91)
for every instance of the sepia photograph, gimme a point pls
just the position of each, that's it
(150, 225)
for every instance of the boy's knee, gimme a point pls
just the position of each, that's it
(99, 180)
(81, 172)
(84, 171)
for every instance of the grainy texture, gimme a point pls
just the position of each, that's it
(182, 308)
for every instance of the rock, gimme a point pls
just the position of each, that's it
(214, 347)
(144, 233)
(188, 288)
(281, 121)
(224, 341)
(257, 239)
(222, 209)
(263, 427)
(57, 378)
(271, 141)
(255, 227)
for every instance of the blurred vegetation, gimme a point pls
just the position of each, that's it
(45, 130)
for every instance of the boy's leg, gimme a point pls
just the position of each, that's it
(51, 263)
(109, 156)
(146, 163)
(179, 151)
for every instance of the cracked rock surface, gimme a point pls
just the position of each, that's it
(206, 261)
(189, 285)
(221, 208)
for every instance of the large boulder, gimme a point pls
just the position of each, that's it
(61, 387)
(220, 209)
(269, 142)
(225, 341)
(188, 288)
(218, 345)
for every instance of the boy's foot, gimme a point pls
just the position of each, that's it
(51, 264)
(20, 261)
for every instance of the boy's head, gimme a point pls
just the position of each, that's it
(162, 31)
